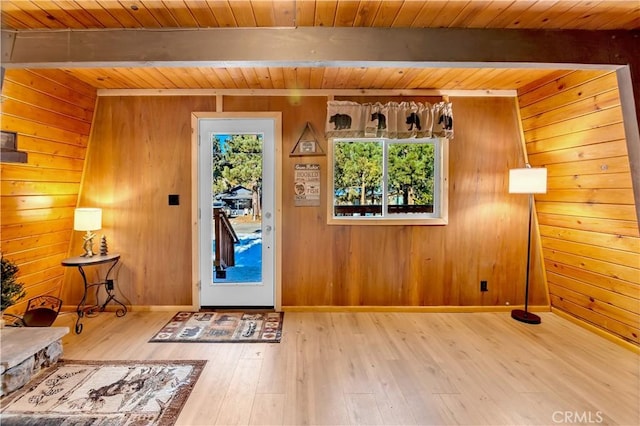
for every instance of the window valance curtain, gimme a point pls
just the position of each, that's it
(393, 120)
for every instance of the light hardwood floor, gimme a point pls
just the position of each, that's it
(390, 368)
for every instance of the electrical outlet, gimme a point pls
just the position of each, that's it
(109, 284)
(483, 286)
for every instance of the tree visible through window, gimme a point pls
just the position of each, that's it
(358, 175)
(236, 160)
(411, 175)
(388, 179)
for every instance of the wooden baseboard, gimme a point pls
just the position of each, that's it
(597, 330)
(440, 309)
(137, 308)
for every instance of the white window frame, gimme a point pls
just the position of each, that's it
(440, 215)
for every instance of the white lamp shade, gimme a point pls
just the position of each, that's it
(528, 181)
(87, 219)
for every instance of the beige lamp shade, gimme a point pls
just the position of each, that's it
(87, 219)
(528, 181)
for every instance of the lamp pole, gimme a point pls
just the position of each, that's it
(518, 314)
(527, 181)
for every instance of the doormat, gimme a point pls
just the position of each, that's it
(222, 327)
(83, 393)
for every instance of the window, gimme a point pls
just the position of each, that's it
(388, 181)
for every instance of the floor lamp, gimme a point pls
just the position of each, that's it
(527, 181)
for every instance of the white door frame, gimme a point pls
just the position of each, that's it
(195, 219)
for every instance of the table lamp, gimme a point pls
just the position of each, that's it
(527, 181)
(87, 219)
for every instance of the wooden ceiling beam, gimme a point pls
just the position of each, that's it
(317, 46)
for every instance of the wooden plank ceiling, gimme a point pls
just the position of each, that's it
(135, 14)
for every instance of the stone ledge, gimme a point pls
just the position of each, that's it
(25, 352)
(20, 343)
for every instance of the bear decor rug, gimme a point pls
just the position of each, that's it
(83, 393)
(222, 327)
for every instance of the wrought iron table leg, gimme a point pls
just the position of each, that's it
(120, 312)
(81, 305)
(110, 289)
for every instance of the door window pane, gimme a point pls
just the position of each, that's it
(237, 198)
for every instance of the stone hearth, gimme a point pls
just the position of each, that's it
(25, 351)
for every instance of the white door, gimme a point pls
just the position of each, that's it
(236, 173)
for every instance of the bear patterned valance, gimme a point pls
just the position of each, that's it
(392, 120)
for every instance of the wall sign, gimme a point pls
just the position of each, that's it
(306, 181)
(307, 144)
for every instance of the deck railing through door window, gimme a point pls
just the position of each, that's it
(225, 237)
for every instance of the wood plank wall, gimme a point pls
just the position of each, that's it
(52, 114)
(140, 153)
(423, 265)
(573, 127)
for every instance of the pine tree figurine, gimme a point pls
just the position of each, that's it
(103, 246)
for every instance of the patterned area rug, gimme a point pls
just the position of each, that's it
(83, 393)
(222, 327)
